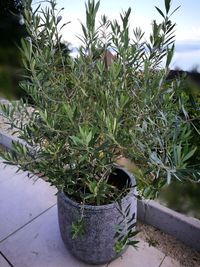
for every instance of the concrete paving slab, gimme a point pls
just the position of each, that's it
(6, 172)
(39, 244)
(144, 256)
(3, 262)
(21, 199)
(169, 262)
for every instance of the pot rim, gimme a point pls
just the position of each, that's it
(105, 206)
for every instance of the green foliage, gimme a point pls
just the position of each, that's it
(86, 114)
(152, 242)
(125, 230)
(78, 228)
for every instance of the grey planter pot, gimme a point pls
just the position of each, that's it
(96, 245)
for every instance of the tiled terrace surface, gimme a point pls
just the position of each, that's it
(29, 232)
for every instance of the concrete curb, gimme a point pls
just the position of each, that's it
(7, 139)
(185, 229)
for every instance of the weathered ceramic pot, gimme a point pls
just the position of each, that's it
(96, 245)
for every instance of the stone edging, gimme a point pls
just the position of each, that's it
(7, 139)
(185, 229)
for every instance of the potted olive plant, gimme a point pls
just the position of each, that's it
(87, 113)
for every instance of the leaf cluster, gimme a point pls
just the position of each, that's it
(87, 114)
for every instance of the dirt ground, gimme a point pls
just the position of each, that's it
(169, 245)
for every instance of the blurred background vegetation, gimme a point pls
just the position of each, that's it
(182, 197)
(12, 29)
(179, 196)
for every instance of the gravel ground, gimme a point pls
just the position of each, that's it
(2, 148)
(3, 121)
(4, 127)
(169, 245)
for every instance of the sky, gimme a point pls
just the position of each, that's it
(187, 18)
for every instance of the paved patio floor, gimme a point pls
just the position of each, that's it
(29, 233)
